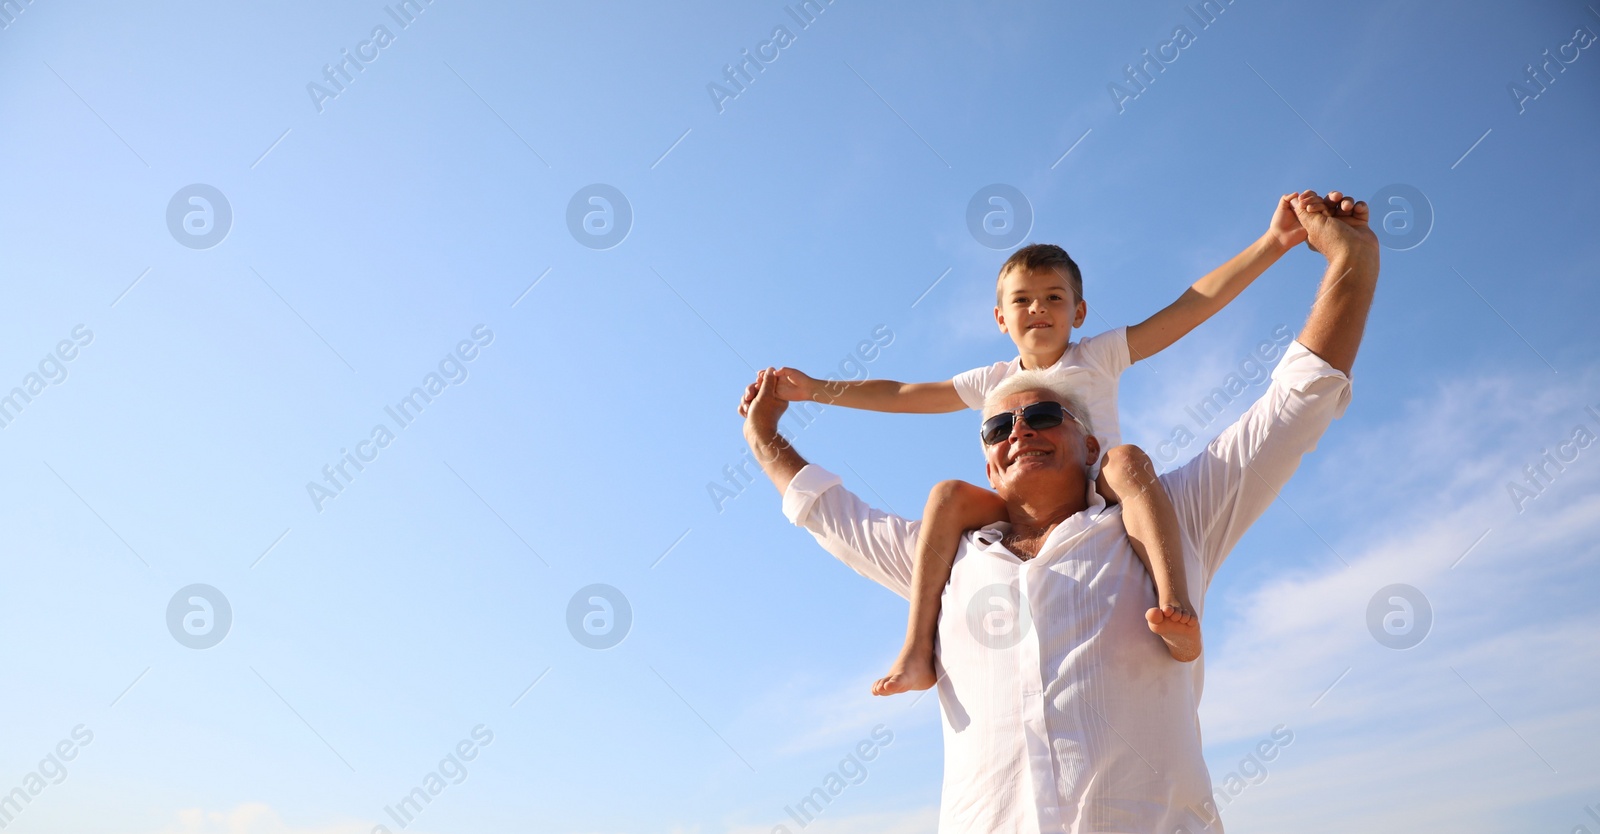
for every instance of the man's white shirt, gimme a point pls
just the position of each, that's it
(1062, 711)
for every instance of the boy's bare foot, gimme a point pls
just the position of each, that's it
(1179, 628)
(911, 670)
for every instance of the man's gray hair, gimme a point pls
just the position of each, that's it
(1059, 389)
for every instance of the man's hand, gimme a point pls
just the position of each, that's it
(1285, 228)
(777, 458)
(791, 386)
(1336, 225)
(763, 407)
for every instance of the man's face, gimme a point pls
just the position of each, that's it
(1035, 462)
(1038, 310)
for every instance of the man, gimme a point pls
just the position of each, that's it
(1060, 713)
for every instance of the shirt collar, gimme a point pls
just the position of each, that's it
(989, 539)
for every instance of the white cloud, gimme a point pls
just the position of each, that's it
(1484, 718)
(915, 821)
(837, 714)
(251, 818)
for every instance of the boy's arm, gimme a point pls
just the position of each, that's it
(888, 395)
(1220, 286)
(868, 394)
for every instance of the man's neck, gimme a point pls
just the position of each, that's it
(1031, 523)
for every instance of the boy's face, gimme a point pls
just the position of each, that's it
(1038, 310)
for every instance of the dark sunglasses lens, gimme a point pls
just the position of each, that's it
(996, 429)
(1043, 415)
(1039, 416)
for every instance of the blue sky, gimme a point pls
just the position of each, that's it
(373, 231)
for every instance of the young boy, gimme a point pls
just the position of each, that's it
(1038, 301)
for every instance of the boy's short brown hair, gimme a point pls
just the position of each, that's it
(1042, 256)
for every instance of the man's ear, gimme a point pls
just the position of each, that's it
(1080, 315)
(988, 470)
(1092, 446)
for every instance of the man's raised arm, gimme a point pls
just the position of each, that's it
(778, 459)
(1337, 227)
(1220, 493)
(873, 543)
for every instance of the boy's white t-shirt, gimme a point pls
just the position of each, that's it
(1090, 366)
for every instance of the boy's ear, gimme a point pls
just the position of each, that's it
(1080, 315)
(1000, 320)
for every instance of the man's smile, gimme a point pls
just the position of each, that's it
(1031, 452)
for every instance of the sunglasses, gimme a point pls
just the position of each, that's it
(1039, 416)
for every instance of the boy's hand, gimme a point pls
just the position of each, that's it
(789, 385)
(1285, 229)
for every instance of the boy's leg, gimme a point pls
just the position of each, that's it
(1128, 477)
(953, 508)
